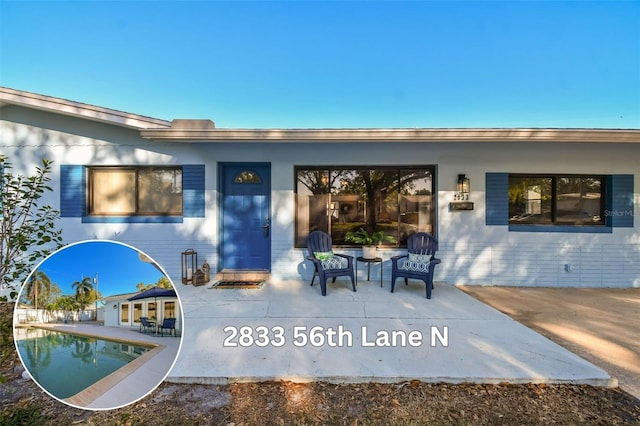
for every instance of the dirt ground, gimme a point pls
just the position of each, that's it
(285, 403)
(601, 325)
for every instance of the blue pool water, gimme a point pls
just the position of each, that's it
(64, 364)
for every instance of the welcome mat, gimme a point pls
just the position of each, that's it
(238, 284)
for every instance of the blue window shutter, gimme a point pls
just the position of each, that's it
(193, 190)
(72, 191)
(619, 209)
(497, 198)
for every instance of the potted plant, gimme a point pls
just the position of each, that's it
(368, 240)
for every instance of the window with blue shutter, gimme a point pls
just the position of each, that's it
(616, 208)
(132, 194)
(193, 190)
(620, 209)
(72, 191)
(497, 198)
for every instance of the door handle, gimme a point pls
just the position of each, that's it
(266, 227)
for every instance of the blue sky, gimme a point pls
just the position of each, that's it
(118, 267)
(302, 64)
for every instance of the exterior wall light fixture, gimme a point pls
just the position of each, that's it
(461, 197)
(463, 188)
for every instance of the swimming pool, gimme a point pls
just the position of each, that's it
(65, 364)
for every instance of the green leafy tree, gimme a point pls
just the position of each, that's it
(38, 289)
(66, 304)
(163, 282)
(28, 229)
(142, 286)
(84, 292)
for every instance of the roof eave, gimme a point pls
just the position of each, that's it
(393, 135)
(80, 110)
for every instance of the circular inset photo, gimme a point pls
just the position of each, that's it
(98, 325)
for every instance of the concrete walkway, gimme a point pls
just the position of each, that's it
(451, 338)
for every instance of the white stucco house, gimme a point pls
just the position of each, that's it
(544, 207)
(119, 311)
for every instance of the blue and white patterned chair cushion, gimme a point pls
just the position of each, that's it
(417, 263)
(330, 261)
(323, 255)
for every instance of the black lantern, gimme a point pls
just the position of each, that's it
(462, 193)
(463, 184)
(189, 265)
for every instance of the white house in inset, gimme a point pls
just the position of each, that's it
(119, 311)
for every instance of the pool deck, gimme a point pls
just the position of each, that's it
(131, 382)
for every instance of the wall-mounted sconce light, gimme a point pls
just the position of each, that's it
(461, 197)
(463, 187)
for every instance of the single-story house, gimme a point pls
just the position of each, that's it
(119, 311)
(527, 207)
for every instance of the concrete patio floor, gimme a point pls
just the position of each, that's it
(482, 345)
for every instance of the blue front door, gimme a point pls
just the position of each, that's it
(246, 219)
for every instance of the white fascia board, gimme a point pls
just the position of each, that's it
(77, 109)
(392, 135)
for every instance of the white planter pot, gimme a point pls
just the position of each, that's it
(369, 252)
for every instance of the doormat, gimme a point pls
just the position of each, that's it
(238, 284)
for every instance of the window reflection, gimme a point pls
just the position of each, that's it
(247, 176)
(131, 191)
(397, 201)
(566, 200)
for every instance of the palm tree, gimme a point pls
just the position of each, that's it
(83, 291)
(39, 285)
(66, 304)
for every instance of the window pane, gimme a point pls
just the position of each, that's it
(124, 313)
(169, 310)
(530, 200)
(579, 200)
(341, 200)
(247, 176)
(312, 188)
(415, 203)
(160, 191)
(151, 310)
(347, 208)
(137, 312)
(113, 191)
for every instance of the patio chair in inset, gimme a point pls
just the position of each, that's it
(418, 263)
(145, 325)
(327, 264)
(168, 324)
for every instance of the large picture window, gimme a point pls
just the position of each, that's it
(556, 200)
(396, 200)
(135, 191)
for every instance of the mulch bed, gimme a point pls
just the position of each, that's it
(287, 403)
